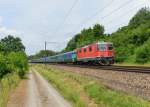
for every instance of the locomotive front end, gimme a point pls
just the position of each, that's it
(106, 53)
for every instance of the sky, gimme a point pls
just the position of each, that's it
(57, 21)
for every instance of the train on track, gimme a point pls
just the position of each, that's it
(97, 53)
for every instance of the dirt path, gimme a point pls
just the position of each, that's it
(36, 92)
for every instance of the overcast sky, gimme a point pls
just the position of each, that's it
(36, 21)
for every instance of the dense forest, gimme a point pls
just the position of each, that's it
(131, 42)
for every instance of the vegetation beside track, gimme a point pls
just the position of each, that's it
(13, 58)
(13, 66)
(86, 92)
(133, 64)
(7, 84)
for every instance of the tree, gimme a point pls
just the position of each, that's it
(18, 62)
(98, 31)
(141, 17)
(11, 44)
(4, 69)
(42, 53)
(13, 58)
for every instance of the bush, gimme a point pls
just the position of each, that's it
(18, 62)
(8, 83)
(13, 62)
(143, 53)
(4, 69)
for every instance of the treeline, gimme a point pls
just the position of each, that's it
(12, 56)
(41, 54)
(131, 42)
(87, 36)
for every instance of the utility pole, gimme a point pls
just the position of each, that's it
(45, 51)
(45, 48)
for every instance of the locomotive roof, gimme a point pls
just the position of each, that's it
(102, 42)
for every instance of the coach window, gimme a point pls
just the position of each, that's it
(90, 48)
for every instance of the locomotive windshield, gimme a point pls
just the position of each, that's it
(102, 47)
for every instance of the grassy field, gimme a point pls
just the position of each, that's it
(86, 92)
(7, 84)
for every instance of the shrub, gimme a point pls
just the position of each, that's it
(18, 62)
(143, 53)
(8, 83)
(13, 62)
(4, 69)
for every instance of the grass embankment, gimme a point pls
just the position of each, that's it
(133, 64)
(85, 92)
(7, 84)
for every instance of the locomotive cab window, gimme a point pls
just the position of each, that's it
(102, 47)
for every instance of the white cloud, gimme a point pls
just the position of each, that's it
(5, 31)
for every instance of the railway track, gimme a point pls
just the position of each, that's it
(135, 69)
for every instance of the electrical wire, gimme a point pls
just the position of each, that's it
(67, 15)
(95, 14)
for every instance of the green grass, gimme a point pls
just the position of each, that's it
(133, 64)
(7, 84)
(112, 98)
(75, 87)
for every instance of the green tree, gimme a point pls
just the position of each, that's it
(143, 53)
(98, 31)
(4, 69)
(12, 56)
(11, 44)
(18, 62)
(141, 17)
(42, 53)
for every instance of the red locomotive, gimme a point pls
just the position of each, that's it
(100, 52)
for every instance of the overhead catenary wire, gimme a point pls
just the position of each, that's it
(100, 10)
(95, 14)
(118, 8)
(66, 16)
(126, 13)
(123, 15)
(110, 13)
